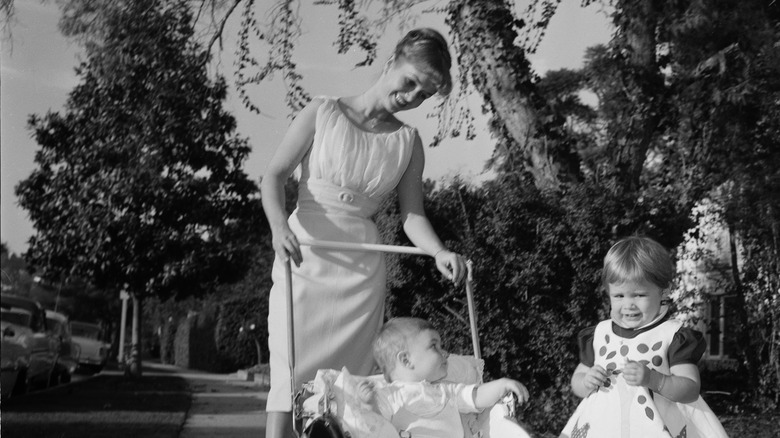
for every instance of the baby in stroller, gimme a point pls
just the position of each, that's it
(416, 400)
(424, 392)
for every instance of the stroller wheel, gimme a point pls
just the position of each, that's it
(324, 426)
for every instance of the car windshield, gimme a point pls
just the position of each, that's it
(16, 317)
(83, 330)
(54, 325)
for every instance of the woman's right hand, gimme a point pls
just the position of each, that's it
(286, 245)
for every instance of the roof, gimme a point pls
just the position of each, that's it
(8, 301)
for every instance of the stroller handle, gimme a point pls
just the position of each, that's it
(373, 247)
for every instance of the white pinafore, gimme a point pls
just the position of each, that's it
(618, 410)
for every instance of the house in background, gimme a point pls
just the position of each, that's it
(703, 292)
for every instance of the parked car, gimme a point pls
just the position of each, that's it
(29, 352)
(93, 352)
(67, 362)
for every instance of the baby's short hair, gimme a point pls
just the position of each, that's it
(638, 258)
(394, 338)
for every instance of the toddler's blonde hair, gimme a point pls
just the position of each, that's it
(638, 258)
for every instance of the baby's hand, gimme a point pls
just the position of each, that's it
(595, 377)
(636, 374)
(518, 389)
(366, 391)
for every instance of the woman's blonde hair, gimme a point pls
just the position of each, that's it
(394, 338)
(427, 50)
(638, 258)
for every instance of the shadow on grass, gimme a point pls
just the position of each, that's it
(104, 406)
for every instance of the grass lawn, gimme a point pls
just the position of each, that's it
(155, 406)
(752, 425)
(107, 405)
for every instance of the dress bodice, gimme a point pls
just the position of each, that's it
(352, 162)
(649, 348)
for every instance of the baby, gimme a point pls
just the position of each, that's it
(410, 354)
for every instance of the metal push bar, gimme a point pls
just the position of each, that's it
(327, 244)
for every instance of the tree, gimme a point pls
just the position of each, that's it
(139, 184)
(15, 276)
(725, 85)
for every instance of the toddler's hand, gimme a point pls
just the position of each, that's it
(595, 377)
(366, 391)
(636, 374)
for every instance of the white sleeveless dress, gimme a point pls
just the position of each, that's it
(338, 296)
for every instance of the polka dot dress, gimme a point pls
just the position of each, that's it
(622, 411)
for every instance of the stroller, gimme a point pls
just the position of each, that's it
(329, 406)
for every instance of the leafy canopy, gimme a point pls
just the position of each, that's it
(139, 182)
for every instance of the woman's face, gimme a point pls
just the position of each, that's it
(634, 304)
(405, 86)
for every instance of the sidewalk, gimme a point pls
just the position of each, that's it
(222, 405)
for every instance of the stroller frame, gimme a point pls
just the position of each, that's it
(357, 247)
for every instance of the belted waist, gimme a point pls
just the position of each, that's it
(318, 195)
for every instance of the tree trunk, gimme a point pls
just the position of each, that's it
(744, 337)
(484, 34)
(637, 43)
(134, 368)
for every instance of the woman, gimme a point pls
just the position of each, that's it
(353, 151)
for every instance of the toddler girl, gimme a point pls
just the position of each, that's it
(637, 371)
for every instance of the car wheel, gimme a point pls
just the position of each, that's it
(20, 387)
(54, 378)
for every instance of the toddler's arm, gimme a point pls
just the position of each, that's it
(681, 386)
(587, 379)
(488, 394)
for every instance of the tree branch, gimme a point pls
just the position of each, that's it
(220, 28)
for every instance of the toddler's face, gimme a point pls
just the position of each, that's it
(427, 356)
(634, 304)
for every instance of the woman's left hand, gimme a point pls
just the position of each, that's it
(451, 265)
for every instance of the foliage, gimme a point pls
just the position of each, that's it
(724, 145)
(243, 331)
(236, 304)
(537, 260)
(280, 35)
(139, 183)
(15, 276)
(195, 344)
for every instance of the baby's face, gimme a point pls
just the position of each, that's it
(634, 304)
(428, 359)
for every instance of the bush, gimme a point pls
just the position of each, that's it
(240, 350)
(537, 261)
(195, 346)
